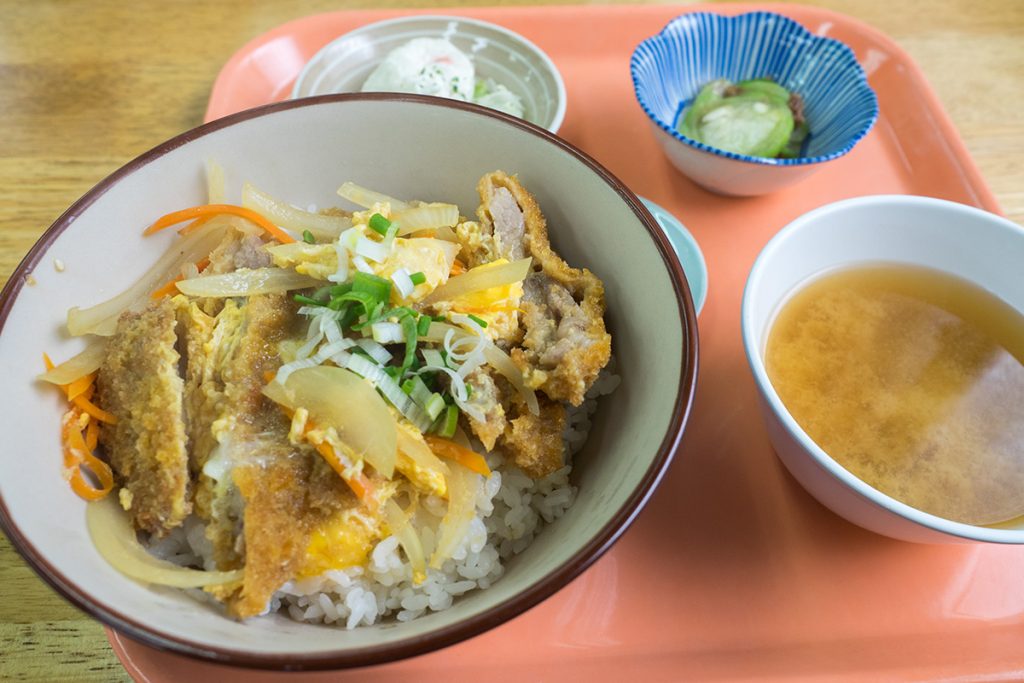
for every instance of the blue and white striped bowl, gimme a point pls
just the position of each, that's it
(670, 68)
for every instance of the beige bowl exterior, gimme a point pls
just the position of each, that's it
(343, 65)
(303, 150)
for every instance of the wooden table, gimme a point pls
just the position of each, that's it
(84, 87)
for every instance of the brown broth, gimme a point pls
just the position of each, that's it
(913, 380)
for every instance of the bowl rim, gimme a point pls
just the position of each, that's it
(491, 617)
(753, 345)
(560, 93)
(674, 26)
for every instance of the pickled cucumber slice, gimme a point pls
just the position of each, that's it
(753, 125)
(752, 118)
(766, 87)
(708, 98)
(796, 142)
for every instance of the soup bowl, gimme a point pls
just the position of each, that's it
(975, 245)
(302, 150)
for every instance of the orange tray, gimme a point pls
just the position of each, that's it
(732, 571)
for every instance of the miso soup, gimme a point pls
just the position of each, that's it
(913, 380)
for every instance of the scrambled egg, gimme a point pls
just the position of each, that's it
(430, 481)
(497, 306)
(343, 541)
(432, 257)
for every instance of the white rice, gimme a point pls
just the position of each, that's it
(511, 510)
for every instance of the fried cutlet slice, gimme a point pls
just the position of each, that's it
(228, 356)
(139, 383)
(565, 345)
(288, 492)
(535, 441)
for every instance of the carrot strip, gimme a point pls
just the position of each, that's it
(79, 386)
(84, 489)
(360, 483)
(166, 289)
(77, 454)
(78, 449)
(86, 406)
(92, 435)
(202, 264)
(446, 448)
(458, 267)
(191, 227)
(195, 212)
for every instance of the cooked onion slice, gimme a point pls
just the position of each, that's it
(361, 196)
(214, 183)
(481, 278)
(403, 529)
(338, 398)
(463, 486)
(324, 227)
(114, 538)
(425, 217)
(102, 318)
(247, 282)
(76, 367)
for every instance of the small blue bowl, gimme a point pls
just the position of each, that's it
(670, 68)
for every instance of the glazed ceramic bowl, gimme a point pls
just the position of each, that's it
(510, 59)
(303, 150)
(975, 245)
(670, 68)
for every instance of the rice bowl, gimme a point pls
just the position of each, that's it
(649, 412)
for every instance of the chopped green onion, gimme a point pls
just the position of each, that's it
(392, 371)
(407, 386)
(376, 314)
(379, 224)
(399, 312)
(479, 321)
(423, 326)
(450, 423)
(375, 286)
(411, 338)
(418, 391)
(338, 290)
(435, 404)
(367, 300)
(439, 319)
(418, 278)
(307, 237)
(350, 315)
(308, 301)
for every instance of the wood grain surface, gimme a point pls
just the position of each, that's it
(87, 85)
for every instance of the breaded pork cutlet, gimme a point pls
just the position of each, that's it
(139, 383)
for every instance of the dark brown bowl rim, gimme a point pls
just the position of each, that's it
(443, 637)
